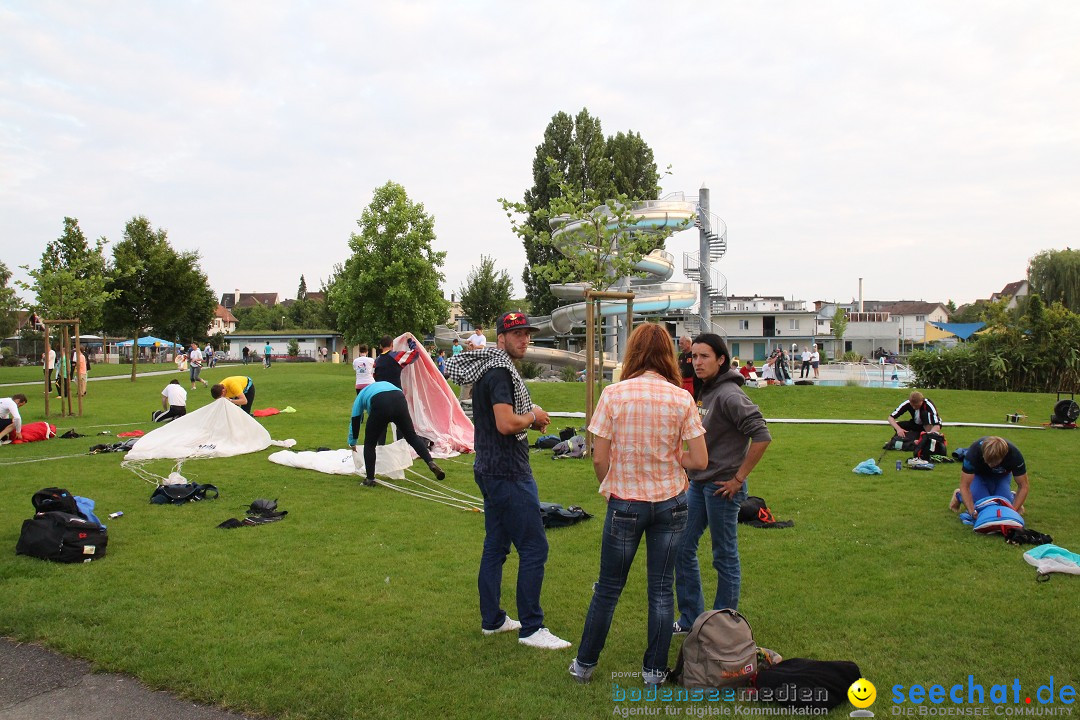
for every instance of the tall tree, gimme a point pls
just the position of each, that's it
(301, 292)
(574, 152)
(390, 284)
(9, 303)
(70, 281)
(153, 286)
(486, 293)
(839, 327)
(1055, 275)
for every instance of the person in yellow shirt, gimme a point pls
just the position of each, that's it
(238, 389)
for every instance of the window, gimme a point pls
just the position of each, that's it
(744, 324)
(793, 323)
(920, 318)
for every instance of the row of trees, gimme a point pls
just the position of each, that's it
(146, 284)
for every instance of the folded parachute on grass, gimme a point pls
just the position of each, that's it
(390, 460)
(220, 429)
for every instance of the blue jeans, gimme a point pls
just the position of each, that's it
(511, 516)
(662, 524)
(721, 516)
(982, 487)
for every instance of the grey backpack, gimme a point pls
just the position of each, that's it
(719, 652)
(572, 448)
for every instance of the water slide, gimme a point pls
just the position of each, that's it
(653, 293)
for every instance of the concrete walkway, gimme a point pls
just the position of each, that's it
(127, 376)
(38, 684)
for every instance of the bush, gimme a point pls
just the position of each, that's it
(293, 348)
(852, 357)
(568, 374)
(8, 358)
(529, 370)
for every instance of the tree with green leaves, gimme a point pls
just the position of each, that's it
(486, 293)
(1055, 275)
(9, 303)
(391, 282)
(575, 154)
(257, 317)
(153, 286)
(70, 281)
(301, 292)
(596, 241)
(839, 327)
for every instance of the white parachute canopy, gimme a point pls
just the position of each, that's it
(221, 429)
(390, 460)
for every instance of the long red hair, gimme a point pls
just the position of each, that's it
(651, 348)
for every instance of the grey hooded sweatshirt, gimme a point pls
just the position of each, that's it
(732, 421)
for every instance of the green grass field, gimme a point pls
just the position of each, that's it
(363, 602)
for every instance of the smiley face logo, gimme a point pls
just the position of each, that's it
(862, 693)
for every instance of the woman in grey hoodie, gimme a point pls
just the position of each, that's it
(736, 436)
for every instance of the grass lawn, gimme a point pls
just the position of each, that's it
(363, 602)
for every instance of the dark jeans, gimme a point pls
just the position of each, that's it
(386, 408)
(249, 395)
(511, 516)
(721, 516)
(805, 372)
(174, 411)
(662, 524)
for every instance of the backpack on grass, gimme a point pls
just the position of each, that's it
(62, 537)
(719, 652)
(906, 444)
(54, 499)
(555, 515)
(180, 494)
(930, 444)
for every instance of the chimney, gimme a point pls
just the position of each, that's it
(860, 295)
(236, 297)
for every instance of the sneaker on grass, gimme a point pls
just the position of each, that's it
(543, 639)
(581, 673)
(509, 625)
(678, 629)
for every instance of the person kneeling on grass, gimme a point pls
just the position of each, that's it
(10, 420)
(384, 403)
(173, 402)
(989, 466)
(238, 389)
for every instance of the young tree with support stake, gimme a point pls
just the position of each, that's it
(598, 243)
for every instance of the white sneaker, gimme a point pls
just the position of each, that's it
(543, 639)
(509, 624)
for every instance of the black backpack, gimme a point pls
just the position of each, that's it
(555, 515)
(54, 499)
(907, 444)
(808, 683)
(929, 445)
(62, 537)
(180, 494)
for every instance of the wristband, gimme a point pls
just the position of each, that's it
(533, 417)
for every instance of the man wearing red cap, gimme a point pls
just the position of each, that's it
(503, 412)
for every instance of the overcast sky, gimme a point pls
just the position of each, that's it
(929, 147)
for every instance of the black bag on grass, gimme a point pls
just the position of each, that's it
(54, 499)
(180, 494)
(62, 537)
(555, 515)
(907, 444)
(808, 683)
(929, 445)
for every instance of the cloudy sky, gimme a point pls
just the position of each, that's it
(929, 147)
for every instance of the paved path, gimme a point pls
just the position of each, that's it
(38, 684)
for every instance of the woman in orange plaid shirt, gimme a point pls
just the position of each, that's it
(639, 427)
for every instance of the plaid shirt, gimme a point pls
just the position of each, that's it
(647, 419)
